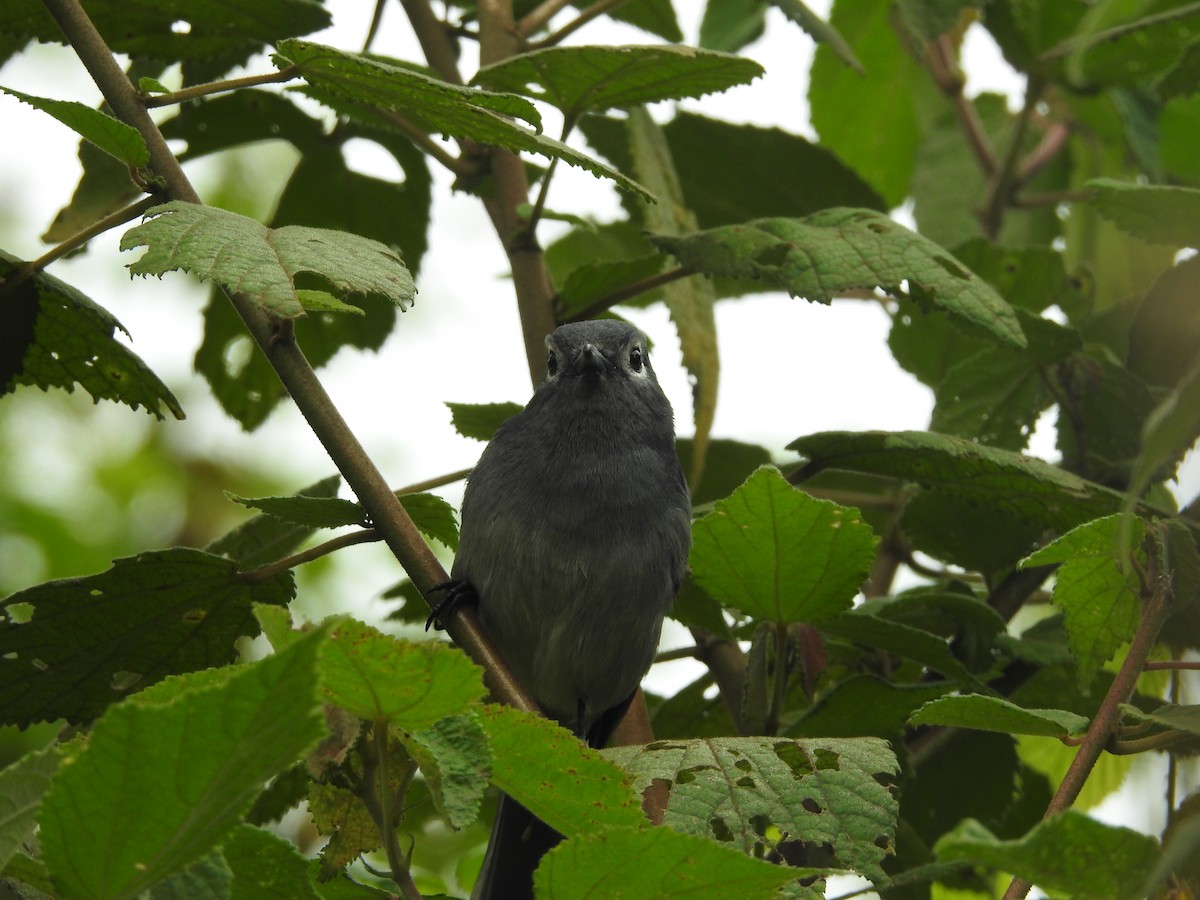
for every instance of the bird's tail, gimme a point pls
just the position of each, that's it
(519, 841)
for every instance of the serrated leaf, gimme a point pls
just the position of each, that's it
(247, 257)
(581, 79)
(569, 786)
(433, 516)
(411, 685)
(92, 640)
(1069, 852)
(1098, 595)
(903, 640)
(23, 784)
(820, 31)
(341, 814)
(1169, 715)
(1155, 213)
(54, 336)
(111, 135)
(265, 539)
(311, 512)
(599, 279)
(265, 866)
(998, 479)
(843, 249)
(654, 864)
(455, 758)
(1169, 431)
(817, 791)
(778, 554)
(481, 420)
(997, 714)
(323, 301)
(443, 108)
(197, 763)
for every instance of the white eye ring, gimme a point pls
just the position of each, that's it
(639, 365)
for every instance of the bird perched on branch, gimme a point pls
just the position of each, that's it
(576, 525)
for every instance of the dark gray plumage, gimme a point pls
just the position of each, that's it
(576, 525)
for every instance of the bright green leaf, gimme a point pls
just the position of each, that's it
(247, 257)
(829, 791)
(481, 420)
(776, 553)
(159, 785)
(456, 761)
(1069, 852)
(433, 516)
(111, 135)
(312, 512)
(997, 714)
(844, 249)
(23, 784)
(265, 866)
(93, 640)
(1156, 213)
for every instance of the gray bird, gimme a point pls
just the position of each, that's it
(576, 525)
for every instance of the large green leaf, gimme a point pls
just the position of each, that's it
(246, 257)
(54, 336)
(998, 714)
(844, 249)
(819, 791)
(111, 135)
(158, 784)
(1155, 213)
(87, 642)
(776, 553)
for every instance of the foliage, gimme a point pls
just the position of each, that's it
(875, 734)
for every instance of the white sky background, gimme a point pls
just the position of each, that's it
(784, 362)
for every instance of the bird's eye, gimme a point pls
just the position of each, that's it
(635, 359)
(552, 363)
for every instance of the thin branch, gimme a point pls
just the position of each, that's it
(630, 290)
(542, 14)
(435, 482)
(23, 273)
(278, 344)
(441, 52)
(1054, 139)
(1159, 741)
(596, 9)
(267, 572)
(455, 164)
(946, 76)
(373, 28)
(1004, 181)
(1170, 665)
(727, 663)
(678, 653)
(218, 87)
(1156, 595)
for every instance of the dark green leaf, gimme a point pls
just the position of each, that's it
(311, 512)
(776, 553)
(481, 420)
(265, 866)
(864, 704)
(997, 714)
(1179, 129)
(199, 760)
(111, 135)
(95, 639)
(433, 516)
(820, 31)
(902, 640)
(247, 257)
(729, 25)
(265, 539)
(846, 249)
(54, 336)
(23, 784)
(455, 759)
(1069, 852)
(578, 79)
(967, 533)
(1164, 338)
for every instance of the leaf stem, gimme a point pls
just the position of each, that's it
(1004, 181)
(279, 346)
(441, 52)
(112, 220)
(598, 8)
(950, 82)
(217, 87)
(630, 290)
(1156, 596)
(540, 15)
(267, 572)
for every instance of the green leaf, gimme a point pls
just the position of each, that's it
(54, 336)
(566, 784)
(1097, 593)
(433, 516)
(196, 764)
(312, 512)
(864, 705)
(1164, 337)
(1179, 127)
(832, 792)
(882, 154)
(23, 784)
(1113, 47)
(481, 420)
(376, 676)
(997, 714)
(776, 553)
(1155, 213)
(581, 79)
(92, 640)
(1168, 432)
(730, 25)
(598, 280)
(455, 758)
(265, 539)
(1169, 715)
(245, 256)
(111, 135)
(323, 301)
(653, 864)
(265, 866)
(902, 640)
(846, 249)
(962, 531)
(998, 479)
(1069, 852)
(438, 106)
(820, 31)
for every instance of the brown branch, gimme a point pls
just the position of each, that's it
(598, 8)
(1170, 665)
(437, 481)
(219, 87)
(950, 82)
(1004, 181)
(439, 48)
(1156, 596)
(540, 15)
(630, 290)
(267, 572)
(727, 663)
(1054, 139)
(278, 344)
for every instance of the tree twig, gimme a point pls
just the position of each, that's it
(631, 290)
(598, 8)
(219, 87)
(1004, 181)
(945, 75)
(267, 572)
(439, 48)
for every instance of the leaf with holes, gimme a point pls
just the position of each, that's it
(832, 795)
(844, 249)
(247, 257)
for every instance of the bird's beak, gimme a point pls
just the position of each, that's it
(591, 359)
